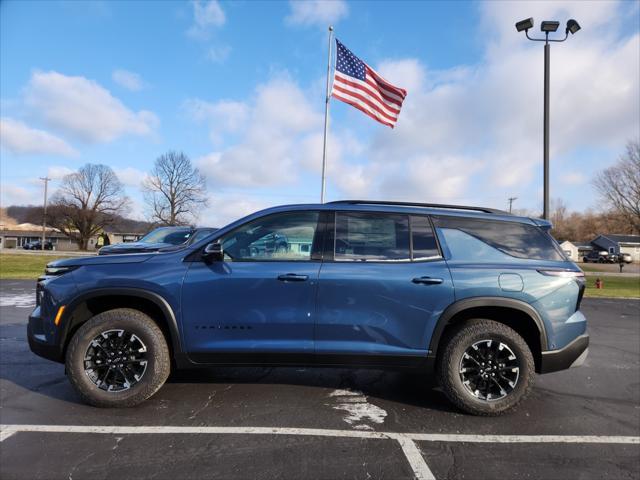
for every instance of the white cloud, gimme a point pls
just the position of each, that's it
(14, 195)
(83, 108)
(270, 126)
(206, 16)
(316, 12)
(574, 178)
(21, 139)
(57, 172)
(479, 128)
(468, 134)
(225, 208)
(130, 176)
(223, 116)
(129, 80)
(218, 54)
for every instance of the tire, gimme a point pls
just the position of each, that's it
(450, 364)
(156, 360)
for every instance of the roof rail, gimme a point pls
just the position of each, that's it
(414, 204)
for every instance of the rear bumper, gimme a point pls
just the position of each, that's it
(572, 355)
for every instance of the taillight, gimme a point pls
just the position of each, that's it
(563, 273)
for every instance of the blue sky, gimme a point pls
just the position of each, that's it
(238, 86)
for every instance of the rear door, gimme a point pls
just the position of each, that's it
(381, 289)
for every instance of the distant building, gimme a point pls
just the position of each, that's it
(617, 244)
(16, 236)
(570, 250)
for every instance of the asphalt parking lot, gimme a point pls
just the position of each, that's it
(326, 423)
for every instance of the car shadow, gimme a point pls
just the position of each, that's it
(410, 387)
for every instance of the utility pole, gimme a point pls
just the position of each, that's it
(511, 200)
(44, 211)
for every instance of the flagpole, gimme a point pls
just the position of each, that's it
(326, 117)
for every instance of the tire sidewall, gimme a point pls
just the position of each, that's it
(131, 321)
(455, 349)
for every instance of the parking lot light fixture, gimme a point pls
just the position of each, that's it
(572, 26)
(548, 26)
(524, 24)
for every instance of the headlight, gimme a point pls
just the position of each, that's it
(56, 271)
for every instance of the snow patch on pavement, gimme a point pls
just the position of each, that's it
(358, 410)
(20, 300)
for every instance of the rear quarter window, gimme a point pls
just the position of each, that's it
(517, 240)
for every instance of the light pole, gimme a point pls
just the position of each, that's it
(547, 27)
(46, 181)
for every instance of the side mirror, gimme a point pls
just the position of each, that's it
(213, 252)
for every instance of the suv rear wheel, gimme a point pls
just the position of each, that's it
(486, 368)
(118, 358)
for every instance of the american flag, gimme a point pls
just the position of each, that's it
(359, 85)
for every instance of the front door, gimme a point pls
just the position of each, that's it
(383, 292)
(260, 300)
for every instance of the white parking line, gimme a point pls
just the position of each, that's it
(406, 440)
(414, 457)
(4, 434)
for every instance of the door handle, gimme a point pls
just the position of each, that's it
(292, 277)
(427, 280)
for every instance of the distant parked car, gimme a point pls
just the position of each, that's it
(625, 258)
(598, 256)
(37, 245)
(157, 239)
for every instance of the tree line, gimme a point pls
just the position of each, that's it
(93, 198)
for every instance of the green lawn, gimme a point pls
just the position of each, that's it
(613, 286)
(590, 267)
(26, 266)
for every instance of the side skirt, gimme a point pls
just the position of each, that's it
(307, 360)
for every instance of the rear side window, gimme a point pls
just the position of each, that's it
(378, 237)
(424, 246)
(515, 239)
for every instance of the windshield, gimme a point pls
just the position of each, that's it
(167, 235)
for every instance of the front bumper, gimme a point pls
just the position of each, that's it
(39, 341)
(572, 355)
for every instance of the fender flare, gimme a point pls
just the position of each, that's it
(475, 302)
(157, 299)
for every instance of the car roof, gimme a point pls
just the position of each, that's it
(417, 208)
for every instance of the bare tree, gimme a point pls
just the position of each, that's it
(174, 190)
(619, 185)
(86, 202)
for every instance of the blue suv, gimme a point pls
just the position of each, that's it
(476, 297)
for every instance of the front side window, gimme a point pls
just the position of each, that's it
(285, 236)
(378, 237)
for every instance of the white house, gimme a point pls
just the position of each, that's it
(570, 250)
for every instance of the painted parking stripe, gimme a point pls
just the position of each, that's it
(414, 457)
(406, 441)
(320, 432)
(6, 433)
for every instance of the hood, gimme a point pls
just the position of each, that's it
(133, 247)
(99, 260)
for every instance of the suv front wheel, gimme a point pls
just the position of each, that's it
(118, 358)
(486, 368)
